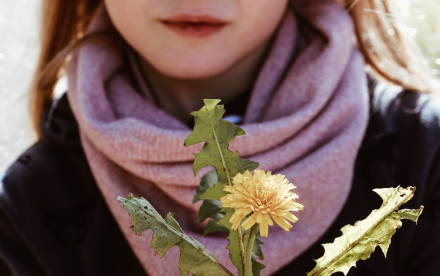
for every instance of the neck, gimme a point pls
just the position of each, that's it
(179, 97)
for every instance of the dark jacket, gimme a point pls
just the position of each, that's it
(54, 221)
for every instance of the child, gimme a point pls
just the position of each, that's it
(289, 72)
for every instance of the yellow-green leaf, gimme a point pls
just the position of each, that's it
(358, 242)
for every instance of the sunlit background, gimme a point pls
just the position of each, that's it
(421, 22)
(19, 47)
(18, 52)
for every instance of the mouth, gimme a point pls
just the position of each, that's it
(196, 26)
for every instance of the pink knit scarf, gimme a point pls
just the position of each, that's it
(306, 118)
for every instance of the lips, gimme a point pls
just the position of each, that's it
(196, 26)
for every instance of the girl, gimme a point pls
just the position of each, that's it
(292, 73)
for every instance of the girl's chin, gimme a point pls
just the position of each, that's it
(192, 74)
(192, 70)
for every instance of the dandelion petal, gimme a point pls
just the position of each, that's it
(262, 197)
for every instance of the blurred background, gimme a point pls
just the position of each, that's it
(421, 23)
(19, 21)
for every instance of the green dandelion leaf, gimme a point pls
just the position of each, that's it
(358, 242)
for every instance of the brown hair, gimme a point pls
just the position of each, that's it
(64, 24)
(385, 49)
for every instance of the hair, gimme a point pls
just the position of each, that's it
(64, 25)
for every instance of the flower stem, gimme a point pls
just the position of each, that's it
(249, 249)
(242, 252)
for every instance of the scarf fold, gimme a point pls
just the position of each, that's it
(305, 118)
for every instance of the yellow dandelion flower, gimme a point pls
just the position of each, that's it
(262, 196)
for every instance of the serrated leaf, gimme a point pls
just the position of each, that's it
(194, 257)
(257, 252)
(161, 243)
(208, 180)
(234, 247)
(209, 209)
(256, 267)
(247, 165)
(213, 226)
(217, 134)
(358, 242)
(191, 263)
(233, 237)
(411, 214)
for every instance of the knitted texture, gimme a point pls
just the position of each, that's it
(305, 119)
